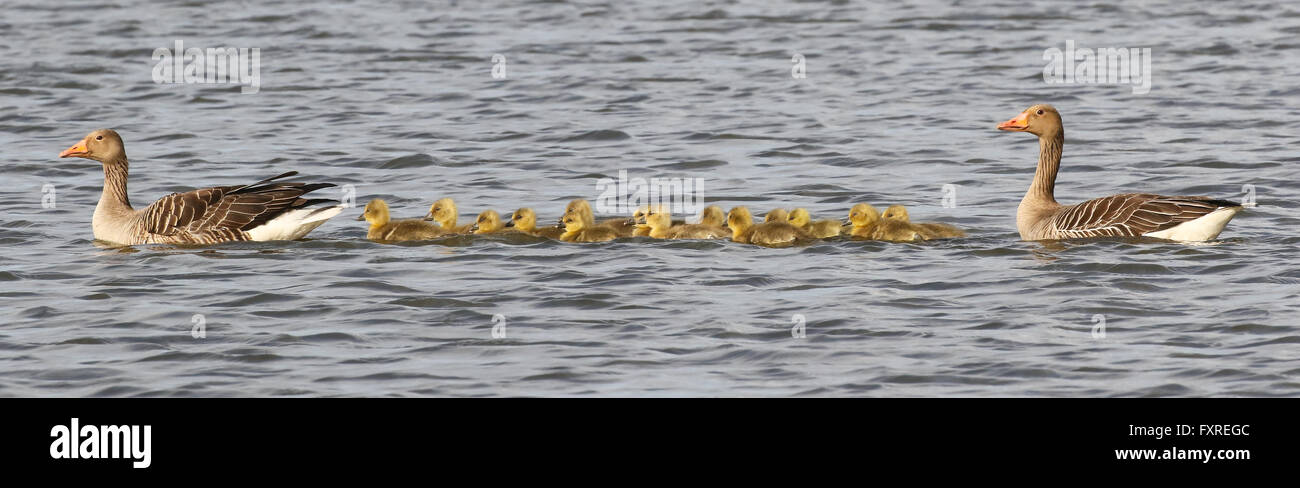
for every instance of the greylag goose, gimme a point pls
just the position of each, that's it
(577, 229)
(770, 234)
(820, 229)
(383, 228)
(928, 230)
(444, 212)
(262, 211)
(661, 226)
(525, 220)
(1039, 217)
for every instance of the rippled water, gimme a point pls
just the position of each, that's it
(399, 101)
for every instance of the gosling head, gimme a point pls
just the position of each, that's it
(578, 207)
(863, 215)
(896, 212)
(573, 223)
(1041, 120)
(488, 222)
(658, 218)
(739, 219)
(103, 145)
(443, 211)
(524, 219)
(376, 212)
(714, 216)
(776, 215)
(799, 217)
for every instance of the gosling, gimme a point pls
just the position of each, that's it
(576, 230)
(444, 213)
(383, 229)
(820, 229)
(661, 227)
(770, 234)
(928, 230)
(525, 220)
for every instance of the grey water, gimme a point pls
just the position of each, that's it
(899, 104)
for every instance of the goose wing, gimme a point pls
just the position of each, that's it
(226, 208)
(1132, 214)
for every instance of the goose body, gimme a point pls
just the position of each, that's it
(263, 211)
(1039, 216)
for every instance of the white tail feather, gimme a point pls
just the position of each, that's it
(294, 224)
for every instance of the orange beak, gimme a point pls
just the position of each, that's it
(77, 150)
(1020, 123)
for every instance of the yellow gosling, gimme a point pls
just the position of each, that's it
(581, 208)
(445, 213)
(488, 222)
(928, 230)
(384, 229)
(525, 220)
(576, 230)
(770, 234)
(863, 219)
(714, 216)
(661, 227)
(776, 215)
(820, 229)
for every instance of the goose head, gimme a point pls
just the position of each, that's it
(799, 217)
(896, 212)
(714, 216)
(1039, 120)
(444, 212)
(489, 221)
(103, 145)
(524, 219)
(638, 217)
(863, 215)
(375, 213)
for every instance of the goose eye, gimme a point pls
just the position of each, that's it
(1040, 111)
(99, 138)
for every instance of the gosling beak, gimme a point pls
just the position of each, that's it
(630, 222)
(361, 217)
(429, 217)
(76, 151)
(473, 229)
(510, 223)
(1018, 124)
(847, 222)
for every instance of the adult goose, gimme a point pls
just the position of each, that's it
(1039, 217)
(262, 211)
